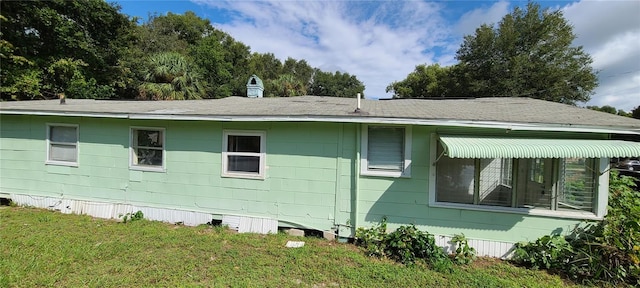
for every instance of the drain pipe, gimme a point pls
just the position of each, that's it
(356, 174)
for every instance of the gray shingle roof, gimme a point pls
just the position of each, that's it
(505, 110)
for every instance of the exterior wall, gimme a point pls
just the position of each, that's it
(406, 201)
(299, 188)
(312, 180)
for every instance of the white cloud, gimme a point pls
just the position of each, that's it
(473, 19)
(610, 32)
(382, 41)
(379, 42)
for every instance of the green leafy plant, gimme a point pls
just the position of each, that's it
(406, 245)
(464, 253)
(606, 251)
(548, 252)
(132, 216)
(372, 239)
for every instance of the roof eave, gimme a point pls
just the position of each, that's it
(514, 126)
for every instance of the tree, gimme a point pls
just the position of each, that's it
(300, 69)
(605, 108)
(635, 113)
(528, 54)
(335, 84)
(287, 85)
(170, 76)
(611, 110)
(213, 56)
(424, 81)
(38, 35)
(173, 32)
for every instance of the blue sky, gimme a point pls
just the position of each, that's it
(382, 41)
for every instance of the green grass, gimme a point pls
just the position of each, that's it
(45, 248)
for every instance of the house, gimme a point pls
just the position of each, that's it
(499, 170)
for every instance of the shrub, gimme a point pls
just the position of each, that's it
(372, 239)
(548, 252)
(406, 245)
(607, 251)
(464, 253)
(132, 216)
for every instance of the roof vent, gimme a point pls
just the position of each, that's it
(255, 88)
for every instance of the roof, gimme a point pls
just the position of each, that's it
(504, 112)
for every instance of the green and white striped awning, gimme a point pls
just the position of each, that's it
(492, 147)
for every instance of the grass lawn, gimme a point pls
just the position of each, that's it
(45, 248)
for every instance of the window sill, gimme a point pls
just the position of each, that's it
(389, 174)
(523, 211)
(243, 175)
(148, 168)
(61, 163)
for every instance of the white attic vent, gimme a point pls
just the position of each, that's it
(255, 88)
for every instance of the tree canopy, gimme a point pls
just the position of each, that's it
(529, 53)
(611, 110)
(635, 113)
(88, 49)
(50, 46)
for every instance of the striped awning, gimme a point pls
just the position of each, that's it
(493, 147)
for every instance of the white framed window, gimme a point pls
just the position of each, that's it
(386, 151)
(244, 154)
(565, 187)
(147, 149)
(62, 144)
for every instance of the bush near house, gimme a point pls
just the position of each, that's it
(408, 245)
(604, 252)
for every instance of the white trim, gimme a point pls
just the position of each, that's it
(525, 211)
(263, 148)
(194, 217)
(341, 119)
(600, 208)
(48, 143)
(151, 168)
(364, 164)
(433, 158)
(602, 198)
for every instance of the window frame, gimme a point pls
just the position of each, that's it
(76, 145)
(262, 154)
(364, 154)
(132, 151)
(599, 202)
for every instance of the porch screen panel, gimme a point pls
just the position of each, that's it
(577, 184)
(495, 186)
(455, 179)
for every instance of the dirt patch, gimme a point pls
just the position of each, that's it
(483, 262)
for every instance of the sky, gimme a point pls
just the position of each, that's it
(382, 41)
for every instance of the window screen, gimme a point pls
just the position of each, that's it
(577, 184)
(148, 147)
(385, 148)
(63, 143)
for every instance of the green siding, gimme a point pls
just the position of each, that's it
(312, 176)
(406, 201)
(299, 187)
